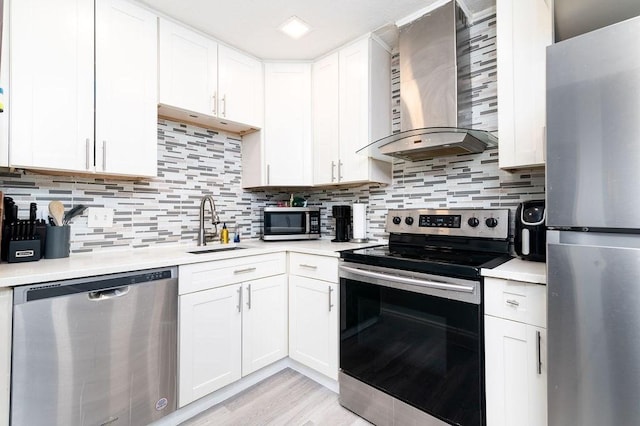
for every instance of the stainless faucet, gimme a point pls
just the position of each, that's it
(215, 220)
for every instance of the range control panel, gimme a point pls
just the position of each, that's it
(484, 223)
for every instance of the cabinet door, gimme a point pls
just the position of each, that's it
(126, 89)
(264, 322)
(6, 307)
(51, 120)
(240, 87)
(313, 327)
(354, 110)
(287, 137)
(326, 116)
(210, 341)
(188, 69)
(523, 33)
(516, 373)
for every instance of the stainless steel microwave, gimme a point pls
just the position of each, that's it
(291, 223)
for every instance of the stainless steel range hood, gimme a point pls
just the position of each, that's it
(435, 92)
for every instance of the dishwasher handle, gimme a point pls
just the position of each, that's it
(108, 294)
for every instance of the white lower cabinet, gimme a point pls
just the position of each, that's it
(6, 315)
(264, 322)
(210, 341)
(233, 328)
(515, 353)
(313, 311)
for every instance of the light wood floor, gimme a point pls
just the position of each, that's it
(287, 398)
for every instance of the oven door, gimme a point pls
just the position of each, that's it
(416, 337)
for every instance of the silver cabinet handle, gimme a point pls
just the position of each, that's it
(513, 302)
(244, 271)
(240, 299)
(104, 155)
(215, 103)
(340, 177)
(333, 170)
(88, 146)
(249, 296)
(268, 174)
(539, 345)
(303, 265)
(224, 105)
(330, 304)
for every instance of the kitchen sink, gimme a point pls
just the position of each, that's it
(215, 250)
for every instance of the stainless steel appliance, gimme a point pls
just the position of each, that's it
(411, 317)
(530, 240)
(435, 92)
(593, 258)
(291, 223)
(95, 351)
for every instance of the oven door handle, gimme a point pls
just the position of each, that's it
(408, 280)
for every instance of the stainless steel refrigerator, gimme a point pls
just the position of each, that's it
(593, 208)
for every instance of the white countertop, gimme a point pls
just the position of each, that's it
(114, 261)
(519, 270)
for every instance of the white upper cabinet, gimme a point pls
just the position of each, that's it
(326, 116)
(126, 89)
(188, 69)
(280, 155)
(53, 89)
(524, 31)
(51, 120)
(206, 83)
(352, 108)
(240, 87)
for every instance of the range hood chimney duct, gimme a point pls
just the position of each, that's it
(435, 92)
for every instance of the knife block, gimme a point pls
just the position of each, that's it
(23, 251)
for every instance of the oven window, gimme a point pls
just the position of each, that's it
(424, 350)
(285, 223)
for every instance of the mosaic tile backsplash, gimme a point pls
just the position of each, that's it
(193, 162)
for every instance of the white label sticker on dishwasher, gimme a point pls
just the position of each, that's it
(161, 404)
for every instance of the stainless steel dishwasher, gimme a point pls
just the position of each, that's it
(95, 351)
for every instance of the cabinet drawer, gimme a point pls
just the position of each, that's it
(516, 301)
(203, 276)
(318, 267)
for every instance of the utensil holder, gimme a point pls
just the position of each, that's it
(58, 242)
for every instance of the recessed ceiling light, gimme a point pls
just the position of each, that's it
(295, 27)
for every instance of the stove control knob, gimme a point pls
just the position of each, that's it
(492, 222)
(473, 222)
(408, 221)
(397, 220)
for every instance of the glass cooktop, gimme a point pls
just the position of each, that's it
(441, 261)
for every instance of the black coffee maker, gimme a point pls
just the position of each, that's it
(342, 215)
(531, 231)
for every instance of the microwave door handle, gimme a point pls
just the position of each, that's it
(308, 227)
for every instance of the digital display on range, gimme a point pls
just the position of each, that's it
(440, 221)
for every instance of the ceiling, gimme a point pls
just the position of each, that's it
(252, 25)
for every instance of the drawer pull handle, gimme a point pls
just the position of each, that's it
(244, 271)
(513, 302)
(303, 265)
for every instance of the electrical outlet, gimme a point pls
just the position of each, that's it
(100, 217)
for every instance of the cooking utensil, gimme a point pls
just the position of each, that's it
(56, 209)
(76, 211)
